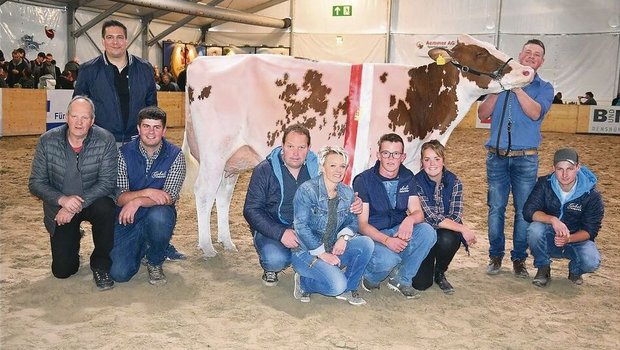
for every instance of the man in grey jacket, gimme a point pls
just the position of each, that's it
(74, 172)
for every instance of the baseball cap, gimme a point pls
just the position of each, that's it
(566, 154)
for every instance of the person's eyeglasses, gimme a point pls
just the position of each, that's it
(387, 154)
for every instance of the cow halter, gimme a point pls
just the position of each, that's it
(495, 75)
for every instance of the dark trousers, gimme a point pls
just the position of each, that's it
(66, 239)
(438, 259)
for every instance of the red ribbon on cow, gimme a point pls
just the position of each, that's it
(350, 134)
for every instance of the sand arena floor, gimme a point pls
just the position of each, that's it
(221, 302)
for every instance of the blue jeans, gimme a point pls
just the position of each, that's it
(584, 256)
(317, 276)
(150, 236)
(506, 174)
(272, 254)
(406, 263)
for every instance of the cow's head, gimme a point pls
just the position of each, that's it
(481, 63)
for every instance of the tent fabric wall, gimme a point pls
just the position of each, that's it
(237, 34)
(351, 48)
(18, 20)
(582, 37)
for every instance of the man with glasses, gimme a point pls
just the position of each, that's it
(392, 216)
(74, 173)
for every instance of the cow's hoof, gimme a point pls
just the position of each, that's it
(230, 246)
(209, 253)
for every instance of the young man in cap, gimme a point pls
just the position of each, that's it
(565, 212)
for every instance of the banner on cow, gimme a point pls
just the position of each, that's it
(604, 120)
(57, 102)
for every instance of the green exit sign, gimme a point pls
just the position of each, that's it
(342, 10)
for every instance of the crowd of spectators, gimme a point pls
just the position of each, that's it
(41, 72)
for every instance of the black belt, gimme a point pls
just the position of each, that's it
(514, 153)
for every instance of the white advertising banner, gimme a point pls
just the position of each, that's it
(604, 120)
(57, 102)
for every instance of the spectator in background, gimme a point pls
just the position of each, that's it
(36, 65)
(73, 66)
(588, 99)
(167, 85)
(3, 74)
(50, 58)
(166, 70)
(26, 81)
(182, 79)
(46, 79)
(557, 100)
(22, 54)
(66, 80)
(616, 101)
(2, 57)
(15, 69)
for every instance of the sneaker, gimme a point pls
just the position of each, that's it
(352, 297)
(369, 286)
(495, 264)
(156, 275)
(103, 280)
(518, 266)
(298, 293)
(270, 278)
(576, 279)
(442, 282)
(173, 254)
(405, 289)
(543, 276)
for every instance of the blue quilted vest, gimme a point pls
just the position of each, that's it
(139, 179)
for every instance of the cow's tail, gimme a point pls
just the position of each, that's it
(192, 165)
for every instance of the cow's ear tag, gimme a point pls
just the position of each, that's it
(440, 60)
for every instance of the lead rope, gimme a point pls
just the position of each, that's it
(499, 130)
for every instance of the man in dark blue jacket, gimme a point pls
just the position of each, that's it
(119, 84)
(268, 205)
(151, 171)
(565, 212)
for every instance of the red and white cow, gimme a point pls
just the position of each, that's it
(238, 106)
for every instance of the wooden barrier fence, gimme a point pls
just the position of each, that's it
(24, 113)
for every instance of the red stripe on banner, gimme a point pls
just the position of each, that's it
(350, 134)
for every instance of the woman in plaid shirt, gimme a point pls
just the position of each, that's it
(441, 197)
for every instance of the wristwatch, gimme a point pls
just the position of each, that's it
(346, 237)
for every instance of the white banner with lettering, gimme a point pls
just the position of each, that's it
(57, 102)
(604, 120)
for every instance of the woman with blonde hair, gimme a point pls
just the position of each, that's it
(331, 256)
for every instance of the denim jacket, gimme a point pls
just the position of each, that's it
(311, 214)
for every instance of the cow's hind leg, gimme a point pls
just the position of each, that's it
(205, 191)
(224, 196)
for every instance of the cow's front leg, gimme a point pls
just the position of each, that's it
(223, 199)
(205, 197)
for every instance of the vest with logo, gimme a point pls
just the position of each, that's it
(139, 179)
(382, 215)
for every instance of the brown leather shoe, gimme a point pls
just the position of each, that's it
(519, 269)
